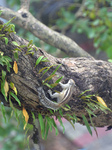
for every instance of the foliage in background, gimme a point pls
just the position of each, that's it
(11, 134)
(95, 21)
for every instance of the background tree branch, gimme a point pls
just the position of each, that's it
(28, 22)
(25, 4)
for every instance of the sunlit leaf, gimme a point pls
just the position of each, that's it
(25, 114)
(101, 101)
(13, 87)
(6, 87)
(110, 60)
(15, 43)
(15, 67)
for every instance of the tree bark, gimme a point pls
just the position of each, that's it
(88, 74)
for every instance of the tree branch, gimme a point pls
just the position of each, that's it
(25, 4)
(28, 22)
(88, 74)
(80, 10)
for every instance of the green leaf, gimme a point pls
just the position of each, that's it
(60, 112)
(48, 85)
(49, 122)
(0, 12)
(51, 111)
(3, 75)
(11, 104)
(30, 43)
(22, 46)
(47, 69)
(56, 69)
(41, 124)
(42, 69)
(56, 83)
(16, 55)
(8, 58)
(3, 112)
(68, 106)
(61, 123)
(13, 28)
(84, 92)
(17, 116)
(110, 60)
(74, 116)
(87, 124)
(52, 75)
(89, 112)
(92, 106)
(6, 40)
(15, 97)
(109, 52)
(3, 83)
(17, 49)
(2, 35)
(39, 60)
(49, 78)
(55, 126)
(33, 117)
(47, 130)
(8, 66)
(9, 21)
(15, 43)
(58, 80)
(69, 120)
(45, 59)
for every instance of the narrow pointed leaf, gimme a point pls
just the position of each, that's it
(39, 60)
(87, 124)
(15, 97)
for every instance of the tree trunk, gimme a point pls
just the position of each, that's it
(88, 74)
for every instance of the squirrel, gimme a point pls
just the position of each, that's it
(62, 98)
